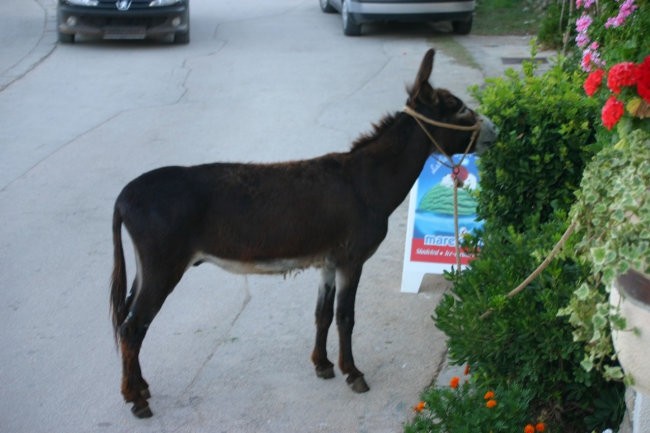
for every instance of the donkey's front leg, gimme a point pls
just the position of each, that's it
(347, 282)
(324, 316)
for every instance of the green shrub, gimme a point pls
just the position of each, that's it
(546, 124)
(465, 409)
(523, 341)
(528, 181)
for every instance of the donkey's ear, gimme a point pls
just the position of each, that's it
(422, 79)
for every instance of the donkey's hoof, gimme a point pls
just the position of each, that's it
(142, 411)
(358, 384)
(325, 373)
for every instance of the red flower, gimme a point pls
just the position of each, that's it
(622, 74)
(593, 81)
(529, 429)
(454, 382)
(612, 112)
(643, 79)
(540, 427)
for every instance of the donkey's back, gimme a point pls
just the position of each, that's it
(245, 217)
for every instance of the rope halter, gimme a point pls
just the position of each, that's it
(455, 168)
(475, 129)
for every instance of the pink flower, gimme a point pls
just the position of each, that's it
(583, 23)
(612, 112)
(590, 56)
(582, 40)
(625, 10)
(584, 3)
(621, 75)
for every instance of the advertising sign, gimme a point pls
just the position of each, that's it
(430, 240)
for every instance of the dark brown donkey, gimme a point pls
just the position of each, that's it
(329, 212)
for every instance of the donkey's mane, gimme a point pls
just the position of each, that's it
(378, 128)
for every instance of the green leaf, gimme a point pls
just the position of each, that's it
(598, 255)
(582, 292)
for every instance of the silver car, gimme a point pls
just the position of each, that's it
(357, 12)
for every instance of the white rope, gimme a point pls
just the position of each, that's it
(419, 118)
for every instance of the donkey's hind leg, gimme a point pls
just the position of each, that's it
(140, 384)
(347, 281)
(147, 302)
(324, 317)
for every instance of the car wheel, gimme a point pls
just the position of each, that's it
(462, 27)
(66, 38)
(350, 26)
(326, 7)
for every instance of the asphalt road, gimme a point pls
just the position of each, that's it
(260, 81)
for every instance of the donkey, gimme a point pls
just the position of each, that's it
(330, 212)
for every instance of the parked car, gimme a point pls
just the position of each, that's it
(124, 19)
(357, 12)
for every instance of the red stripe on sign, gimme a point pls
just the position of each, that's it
(436, 254)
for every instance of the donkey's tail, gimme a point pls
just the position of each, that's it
(118, 279)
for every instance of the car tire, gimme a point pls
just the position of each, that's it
(350, 26)
(66, 38)
(326, 7)
(463, 27)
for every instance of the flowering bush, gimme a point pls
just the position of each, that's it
(616, 181)
(472, 408)
(628, 82)
(528, 183)
(624, 74)
(548, 130)
(526, 332)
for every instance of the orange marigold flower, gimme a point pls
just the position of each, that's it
(540, 427)
(529, 429)
(419, 407)
(454, 382)
(490, 404)
(489, 395)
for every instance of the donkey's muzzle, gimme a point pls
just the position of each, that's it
(487, 136)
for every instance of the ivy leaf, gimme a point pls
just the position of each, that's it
(582, 293)
(617, 321)
(613, 373)
(599, 321)
(598, 255)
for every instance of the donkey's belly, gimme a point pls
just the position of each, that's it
(273, 266)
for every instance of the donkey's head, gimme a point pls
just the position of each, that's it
(450, 125)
